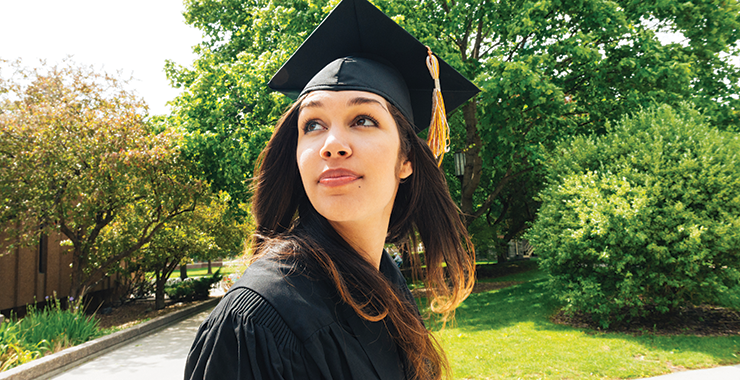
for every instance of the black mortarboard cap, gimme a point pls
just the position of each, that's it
(358, 47)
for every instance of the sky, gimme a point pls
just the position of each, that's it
(134, 37)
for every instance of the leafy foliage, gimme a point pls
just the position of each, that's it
(643, 219)
(552, 69)
(76, 155)
(548, 69)
(210, 231)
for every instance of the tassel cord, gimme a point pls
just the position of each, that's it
(438, 138)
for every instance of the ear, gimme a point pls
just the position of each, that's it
(406, 170)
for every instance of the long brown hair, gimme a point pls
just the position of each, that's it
(423, 210)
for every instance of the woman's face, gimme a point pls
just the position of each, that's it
(348, 155)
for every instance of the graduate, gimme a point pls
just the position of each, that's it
(343, 175)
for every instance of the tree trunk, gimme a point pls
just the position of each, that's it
(502, 252)
(209, 267)
(183, 271)
(159, 292)
(76, 289)
(473, 161)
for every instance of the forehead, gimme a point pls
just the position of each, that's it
(326, 98)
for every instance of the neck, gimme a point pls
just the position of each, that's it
(368, 238)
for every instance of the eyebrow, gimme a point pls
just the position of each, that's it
(359, 100)
(311, 104)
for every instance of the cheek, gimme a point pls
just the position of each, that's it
(387, 165)
(303, 158)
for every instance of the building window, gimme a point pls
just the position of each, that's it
(43, 252)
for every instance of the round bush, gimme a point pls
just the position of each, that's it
(644, 219)
(191, 289)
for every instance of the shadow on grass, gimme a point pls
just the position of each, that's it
(529, 303)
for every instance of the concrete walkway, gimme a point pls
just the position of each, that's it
(159, 356)
(719, 373)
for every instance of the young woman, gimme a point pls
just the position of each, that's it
(343, 174)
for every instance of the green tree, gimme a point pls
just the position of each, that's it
(551, 69)
(644, 219)
(209, 232)
(75, 151)
(548, 69)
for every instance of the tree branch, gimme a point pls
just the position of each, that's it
(578, 83)
(145, 238)
(445, 6)
(463, 43)
(501, 215)
(489, 201)
(490, 49)
(69, 234)
(518, 46)
(102, 219)
(480, 35)
(478, 39)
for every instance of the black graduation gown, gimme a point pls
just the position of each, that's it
(278, 323)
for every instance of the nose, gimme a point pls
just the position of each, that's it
(336, 144)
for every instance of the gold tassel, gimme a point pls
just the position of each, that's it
(438, 138)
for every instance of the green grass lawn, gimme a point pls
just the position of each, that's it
(225, 270)
(506, 334)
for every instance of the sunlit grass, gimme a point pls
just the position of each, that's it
(506, 334)
(200, 272)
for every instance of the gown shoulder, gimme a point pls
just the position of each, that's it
(277, 322)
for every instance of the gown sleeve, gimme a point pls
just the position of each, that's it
(245, 338)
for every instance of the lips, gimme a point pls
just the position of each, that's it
(337, 177)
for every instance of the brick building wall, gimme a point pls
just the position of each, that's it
(28, 275)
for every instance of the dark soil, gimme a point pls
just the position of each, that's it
(132, 313)
(691, 320)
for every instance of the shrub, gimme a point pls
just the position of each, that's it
(47, 330)
(644, 219)
(191, 289)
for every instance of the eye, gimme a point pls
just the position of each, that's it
(365, 121)
(311, 125)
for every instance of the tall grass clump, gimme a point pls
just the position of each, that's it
(45, 330)
(12, 351)
(61, 328)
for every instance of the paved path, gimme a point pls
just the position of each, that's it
(159, 356)
(719, 373)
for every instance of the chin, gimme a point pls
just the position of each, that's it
(339, 214)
